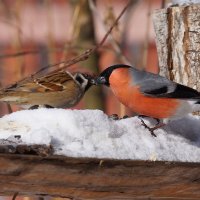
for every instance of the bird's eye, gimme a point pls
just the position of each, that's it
(102, 80)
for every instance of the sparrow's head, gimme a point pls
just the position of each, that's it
(103, 78)
(84, 80)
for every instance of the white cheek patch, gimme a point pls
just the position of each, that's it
(84, 84)
(84, 81)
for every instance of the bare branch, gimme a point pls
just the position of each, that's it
(114, 24)
(36, 51)
(84, 56)
(22, 53)
(114, 43)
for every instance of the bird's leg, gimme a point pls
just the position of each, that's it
(147, 127)
(151, 130)
(157, 120)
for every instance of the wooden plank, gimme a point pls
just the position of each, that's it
(83, 178)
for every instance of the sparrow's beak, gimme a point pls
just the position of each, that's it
(93, 81)
(100, 80)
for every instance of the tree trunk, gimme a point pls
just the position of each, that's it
(178, 43)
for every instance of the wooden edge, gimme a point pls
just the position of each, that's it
(92, 178)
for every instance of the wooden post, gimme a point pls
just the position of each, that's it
(177, 31)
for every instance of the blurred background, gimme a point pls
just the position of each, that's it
(36, 33)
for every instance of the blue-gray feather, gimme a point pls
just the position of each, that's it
(155, 85)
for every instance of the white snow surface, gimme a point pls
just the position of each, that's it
(90, 133)
(187, 2)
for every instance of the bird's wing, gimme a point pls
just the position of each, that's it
(157, 86)
(50, 83)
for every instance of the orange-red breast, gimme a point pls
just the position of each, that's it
(149, 94)
(60, 89)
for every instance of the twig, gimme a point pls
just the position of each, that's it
(50, 50)
(114, 24)
(82, 57)
(85, 55)
(22, 53)
(79, 58)
(114, 43)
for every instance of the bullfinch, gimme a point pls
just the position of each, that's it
(150, 94)
(60, 89)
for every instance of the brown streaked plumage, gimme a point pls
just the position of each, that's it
(61, 89)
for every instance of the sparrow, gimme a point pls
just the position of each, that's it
(149, 94)
(58, 90)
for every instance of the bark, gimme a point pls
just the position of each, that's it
(178, 43)
(77, 178)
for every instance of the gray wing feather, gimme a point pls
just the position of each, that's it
(157, 86)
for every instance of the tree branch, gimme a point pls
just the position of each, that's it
(82, 57)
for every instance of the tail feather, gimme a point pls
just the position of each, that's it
(197, 102)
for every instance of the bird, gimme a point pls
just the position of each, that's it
(149, 94)
(54, 90)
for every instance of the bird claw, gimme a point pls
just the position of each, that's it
(116, 117)
(151, 130)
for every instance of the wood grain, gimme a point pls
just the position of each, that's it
(83, 178)
(177, 31)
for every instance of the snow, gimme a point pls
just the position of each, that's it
(90, 133)
(186, 2)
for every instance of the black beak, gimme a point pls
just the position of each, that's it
(99, 80)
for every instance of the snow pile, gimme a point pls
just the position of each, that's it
(187, 2)
(90, 133)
